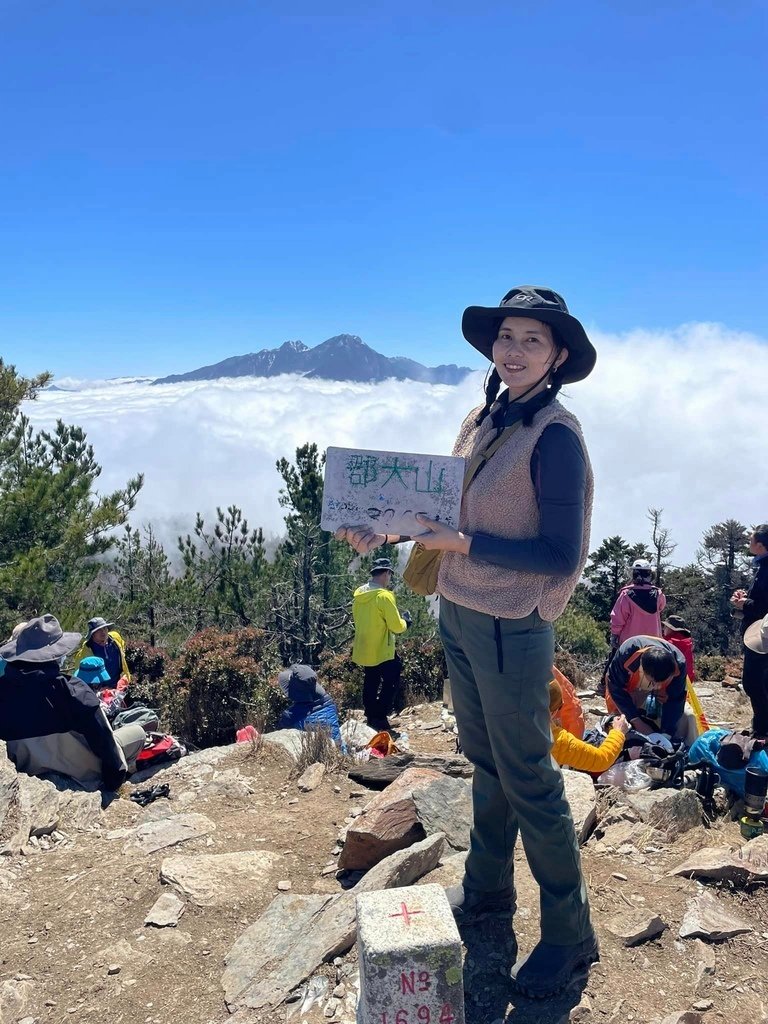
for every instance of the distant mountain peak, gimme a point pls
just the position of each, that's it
(342, 357)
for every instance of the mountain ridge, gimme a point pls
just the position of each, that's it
(344, 357)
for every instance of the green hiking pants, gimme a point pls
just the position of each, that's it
(499, 671)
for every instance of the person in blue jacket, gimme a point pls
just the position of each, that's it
(310, 706)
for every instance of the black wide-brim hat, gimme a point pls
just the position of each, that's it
(480, 326)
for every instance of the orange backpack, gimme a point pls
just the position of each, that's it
(570, 716)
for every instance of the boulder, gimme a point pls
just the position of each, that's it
(708, 917)
(635, 926)
(672, 811)
(745, 865)
(356, 734)
(379, 772)
(298, 933)
(219, 879)
(159, 835)
(580, 793)
(226, 785)
(288, 739)
(445, 805)
(311, 777)
(32, 806)
(166, 911)
(388, 823)
(15, 997)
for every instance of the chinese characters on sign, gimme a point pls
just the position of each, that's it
(386, 490)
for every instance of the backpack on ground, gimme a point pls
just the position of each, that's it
(158, 749)
(138, 715)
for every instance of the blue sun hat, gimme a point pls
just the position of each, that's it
(92, 671)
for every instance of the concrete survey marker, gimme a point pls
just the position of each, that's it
(410, 958)
(386, 490)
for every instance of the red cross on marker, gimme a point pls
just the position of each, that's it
(405, 913)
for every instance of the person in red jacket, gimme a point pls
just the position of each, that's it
(676, 631)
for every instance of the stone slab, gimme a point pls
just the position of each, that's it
(747, 864)
(409, 952)
(166, 911)
(709, 917)
(288, 739)
(219, 879)
(298, 933)
(159, 835)
(311, 777)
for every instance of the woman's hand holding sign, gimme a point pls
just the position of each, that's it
(361, 538)
(441, 537)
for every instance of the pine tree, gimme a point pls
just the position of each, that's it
(53, 523)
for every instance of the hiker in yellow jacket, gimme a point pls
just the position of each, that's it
(102, 642)
(571, 752)
(377, 621)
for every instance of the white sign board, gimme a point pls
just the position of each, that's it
(386, 490)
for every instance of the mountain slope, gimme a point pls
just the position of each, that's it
(344, 357)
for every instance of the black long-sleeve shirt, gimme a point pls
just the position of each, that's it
(756, 605)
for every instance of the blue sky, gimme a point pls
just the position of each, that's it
(184, 181)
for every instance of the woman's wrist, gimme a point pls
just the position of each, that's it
(465, 543)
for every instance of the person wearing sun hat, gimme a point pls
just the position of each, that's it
(53, 723)
(102, 641)
(505, 575)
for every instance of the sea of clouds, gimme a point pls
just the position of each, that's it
(675, 420)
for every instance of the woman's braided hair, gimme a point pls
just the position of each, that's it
(493, 385)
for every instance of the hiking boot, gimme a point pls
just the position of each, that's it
(549, 969)
(472, 905)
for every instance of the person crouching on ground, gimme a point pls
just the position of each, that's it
(53, 723)
(646, 680)
(505, 575)
(310, 706)
(571, 752)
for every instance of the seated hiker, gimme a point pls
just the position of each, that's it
(646, 683)
(93, 673)
(675, 630)
(54, 723)
(571, 752)
(310, 706)
(109, 645)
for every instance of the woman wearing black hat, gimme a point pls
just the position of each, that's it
(504, 577)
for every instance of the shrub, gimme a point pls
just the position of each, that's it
(342, 679)
(568, 665)
(710, 666)
(581, 635)
(424, 669)
(220, 682)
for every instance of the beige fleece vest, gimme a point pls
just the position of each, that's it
(501, 502)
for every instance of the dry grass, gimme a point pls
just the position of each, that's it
(317, 746)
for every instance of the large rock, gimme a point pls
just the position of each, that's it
(745, 865)
(31, 806)
(379, 772)
(388, 823)
(219, 879)
(672, 811)
(356, 734)
(288, 740)
(226, 785)
(298, 933)
(708, 917)
(445, 805)
(159, 835)
(580, 792)
(635, 926)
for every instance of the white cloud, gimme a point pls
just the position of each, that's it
(673, 419)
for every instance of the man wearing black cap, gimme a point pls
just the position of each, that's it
(377, 621)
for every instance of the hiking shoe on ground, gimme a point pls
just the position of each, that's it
(549, 969)
(472, 905)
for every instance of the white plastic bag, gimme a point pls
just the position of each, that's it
(627, 775)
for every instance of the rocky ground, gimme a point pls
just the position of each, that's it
(245, 860)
